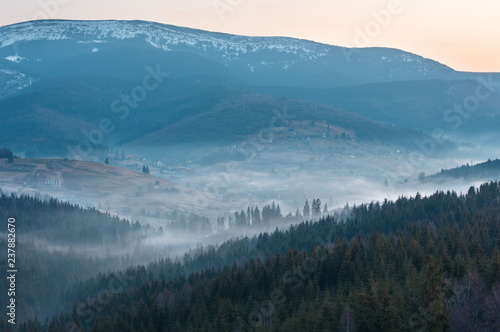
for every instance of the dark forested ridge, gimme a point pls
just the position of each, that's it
(50, 239)
(64, 223)
(416, 264)
(488, 169)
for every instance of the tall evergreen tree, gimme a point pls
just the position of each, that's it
(306, 211)
(433, 297)
(277, 212)
(256, 215)
(316, 207)
(249, 216)
(297, 214)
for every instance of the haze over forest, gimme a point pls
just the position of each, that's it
(155, 167)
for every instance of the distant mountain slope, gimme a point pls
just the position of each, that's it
(197, 109)
(246, 114)
(421, 105)
(259, 60)
(161, 84)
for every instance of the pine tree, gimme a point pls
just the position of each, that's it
(306, 211)
(6, 153)
(433, 298)
(421, 176)
(249, 216)
(316, 207)
(220, 222)
(277, 213)
(266, 214)
(256, 215)
(106, 161)
(297, 214)
(243, 218)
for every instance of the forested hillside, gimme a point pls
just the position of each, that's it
(488, 169)
(64, 223)
(59, 244)
(416, 264)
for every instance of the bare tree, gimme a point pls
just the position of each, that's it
(493, 308)
(347, 320)
(468, 307)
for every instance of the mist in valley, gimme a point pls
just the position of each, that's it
(122, 171)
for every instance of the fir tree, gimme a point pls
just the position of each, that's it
(256, 216)
(306, 211)
(325, 210)
(297, 214)
(316, 207)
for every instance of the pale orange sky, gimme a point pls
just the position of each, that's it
(462, 34)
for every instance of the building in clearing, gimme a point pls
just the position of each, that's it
(53, 182)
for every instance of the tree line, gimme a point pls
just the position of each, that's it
(271, 213)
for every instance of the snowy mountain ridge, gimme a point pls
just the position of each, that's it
(60, 48)
(157, 35)
(168, 37)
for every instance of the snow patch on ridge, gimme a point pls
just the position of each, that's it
(279, 52)
(14, 81)
(14, 58)
(157, 35)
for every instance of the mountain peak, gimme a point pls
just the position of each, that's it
(213, 44)
(34, 50)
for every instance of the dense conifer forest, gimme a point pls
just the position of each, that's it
(487, 169)
(63, 223)
(46, 228)
(416, 264)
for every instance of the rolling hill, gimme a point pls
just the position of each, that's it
(121, 191)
